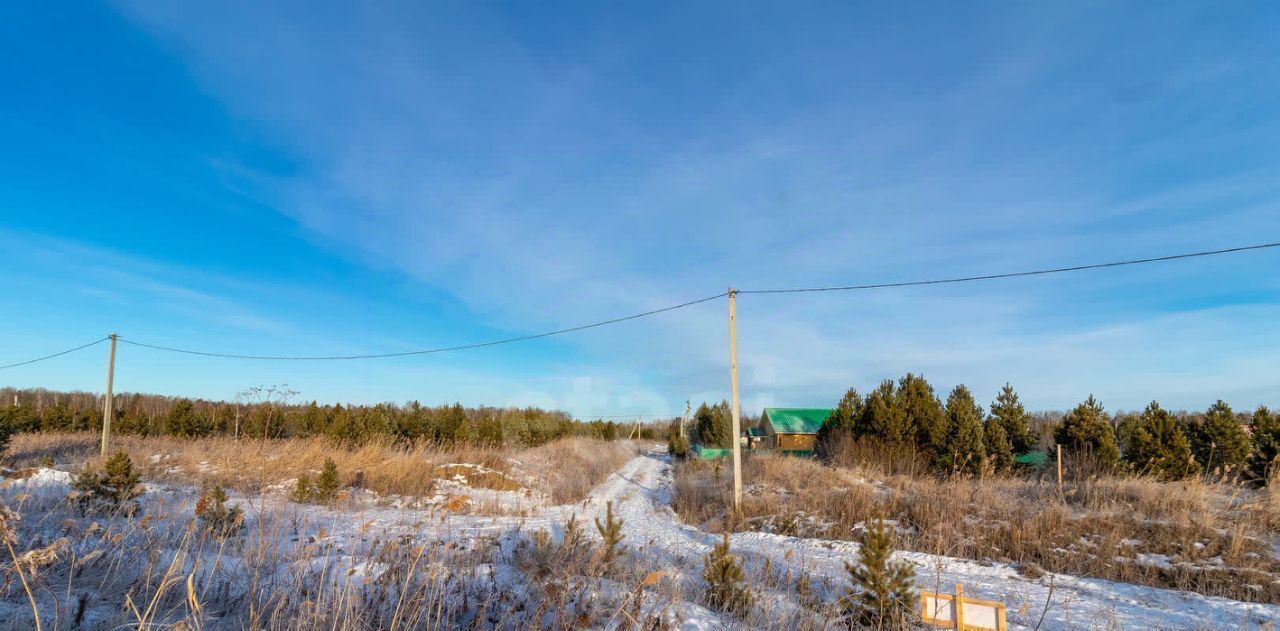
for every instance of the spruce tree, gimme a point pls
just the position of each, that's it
(1264, 460)
(1007, 410)
(882, 594)
(726, 588)
(1087, 430)
(1219, 441)
(999, 449)
(962, 450)
(1155, 444)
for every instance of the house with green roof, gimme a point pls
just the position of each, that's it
(792, 429)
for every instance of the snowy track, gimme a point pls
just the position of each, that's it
(642, 493)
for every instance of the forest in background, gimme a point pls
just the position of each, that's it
(270, 412)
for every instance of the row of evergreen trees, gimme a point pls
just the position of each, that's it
(1173, 447)
(958, 436)
(41, 410)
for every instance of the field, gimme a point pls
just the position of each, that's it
(397, 549)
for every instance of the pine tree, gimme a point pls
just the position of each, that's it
(1155, 444)
(714, 424)
(962, 451)
(212, 509)
(1264, 460)
(1008, 411)
(883, 593)
(182, 420)
(883, 418)
(841, 423)
(114, 487)
(999, 450)
(1219, 441)
(1086, 430)
(611, 532)
(327, 482)
(726, 589)
(924, 413)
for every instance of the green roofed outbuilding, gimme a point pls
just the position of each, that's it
(792, 429)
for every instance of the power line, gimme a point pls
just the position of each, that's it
(523, 338)
(58, 354)
(428, 351)
(1056, 270)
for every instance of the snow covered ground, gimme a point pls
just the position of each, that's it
(640, 493)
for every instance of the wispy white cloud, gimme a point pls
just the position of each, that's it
(525, 184)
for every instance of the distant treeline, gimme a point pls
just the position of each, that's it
(38, 410)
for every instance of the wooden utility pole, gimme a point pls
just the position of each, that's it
(106, 403)
(737, 418)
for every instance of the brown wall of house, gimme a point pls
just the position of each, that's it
(796, 442)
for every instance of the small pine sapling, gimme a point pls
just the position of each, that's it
(212, 509)
(304, 489)
(113, 488)
(611, 533)
(883, 591)
(722, 571)
(327, 483)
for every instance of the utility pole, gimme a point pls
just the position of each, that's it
(106, 403)
(737, 418)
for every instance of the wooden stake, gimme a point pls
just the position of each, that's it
(1059, 469)
(106, 403)
(957, 607)
(733, 380)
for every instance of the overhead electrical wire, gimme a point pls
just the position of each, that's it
(524, 338)
(429, 351)
(1041, 272)
(58, 354)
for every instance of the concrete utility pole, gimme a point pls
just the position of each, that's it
(106, 403)
(737, 418)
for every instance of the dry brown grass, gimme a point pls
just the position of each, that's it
(566, 470)
(1218, 538)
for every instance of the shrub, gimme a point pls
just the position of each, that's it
(726, 589)
(212, 509)
(677, 445)
(1087, 430)
(611, 532)
(113, 488)
(883, 592)
(1155, 444)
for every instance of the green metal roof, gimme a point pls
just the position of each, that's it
(797, 420)
(755, 431)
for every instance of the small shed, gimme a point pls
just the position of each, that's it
(793, 429)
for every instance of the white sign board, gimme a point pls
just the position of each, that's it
(939, 610)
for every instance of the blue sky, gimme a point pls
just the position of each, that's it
(312, 178)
